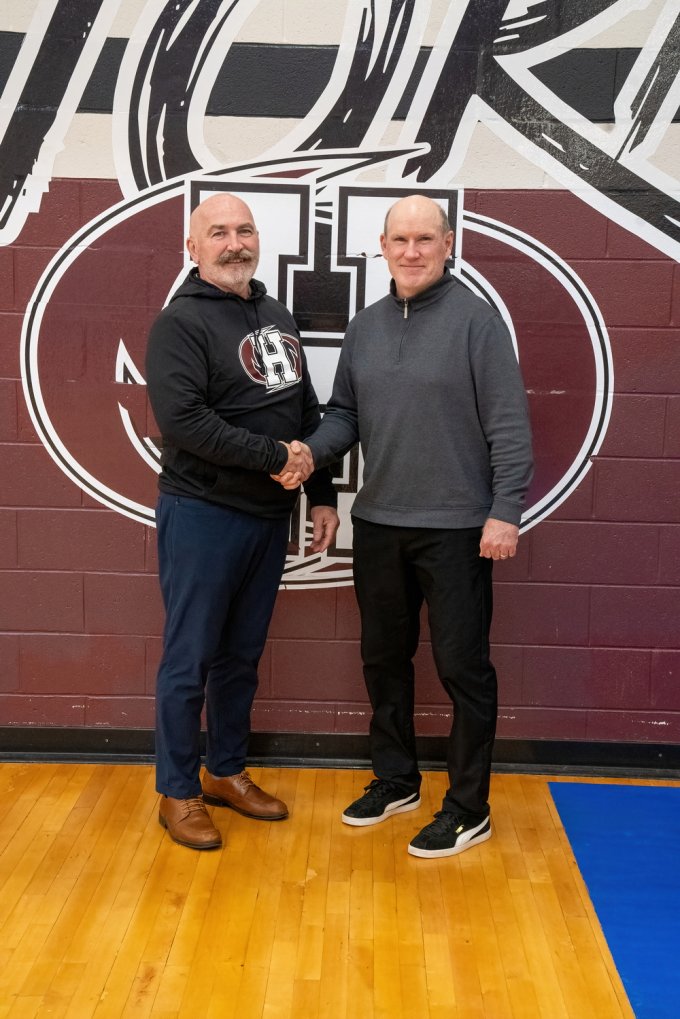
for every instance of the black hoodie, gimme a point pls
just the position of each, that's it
(227, 378)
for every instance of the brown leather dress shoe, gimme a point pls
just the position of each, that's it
(240, 793)
(188, 822)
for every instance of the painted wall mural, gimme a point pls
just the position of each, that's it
(548, 130)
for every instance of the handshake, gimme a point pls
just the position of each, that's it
(299, 466)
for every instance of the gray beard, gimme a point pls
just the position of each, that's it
(239, 273)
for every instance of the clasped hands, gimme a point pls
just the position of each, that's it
(298, 467)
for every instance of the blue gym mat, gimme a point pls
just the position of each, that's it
(626, 840)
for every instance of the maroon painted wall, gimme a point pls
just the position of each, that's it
(586, 628)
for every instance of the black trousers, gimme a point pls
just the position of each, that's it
(395, 568)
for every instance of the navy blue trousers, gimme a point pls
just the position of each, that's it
(219, 571)
(395, 568)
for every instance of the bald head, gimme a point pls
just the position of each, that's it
(416, 243)
(422, 206)
(224, 242)
(220, 207)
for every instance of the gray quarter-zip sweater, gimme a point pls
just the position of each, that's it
(432, 390)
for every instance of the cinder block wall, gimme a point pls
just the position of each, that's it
(586, 630)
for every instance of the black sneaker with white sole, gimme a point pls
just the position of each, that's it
(449, 834)
(381, 799)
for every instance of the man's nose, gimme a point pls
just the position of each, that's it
(411, 249)
(233, 241)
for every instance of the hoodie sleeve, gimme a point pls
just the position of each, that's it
(177, 376)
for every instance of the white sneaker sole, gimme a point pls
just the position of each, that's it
(436, 854)
(399, 807)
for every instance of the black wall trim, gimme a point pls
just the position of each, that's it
(319, 750)
(264, 80)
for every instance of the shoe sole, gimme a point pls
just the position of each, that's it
(214, 801)
(399, 808)
(437, 854)
(189, 845)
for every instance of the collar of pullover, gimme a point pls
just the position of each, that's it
(427, 296)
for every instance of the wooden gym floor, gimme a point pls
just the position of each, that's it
(103, 916)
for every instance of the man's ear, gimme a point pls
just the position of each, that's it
(191, 248)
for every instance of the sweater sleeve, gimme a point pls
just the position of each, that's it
(177, 381)
(504, 416)
(339, 428)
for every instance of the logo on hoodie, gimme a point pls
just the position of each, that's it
(271, 358)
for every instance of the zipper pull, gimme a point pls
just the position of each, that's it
(405, 309)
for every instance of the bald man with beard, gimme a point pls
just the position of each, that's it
(428, 383)
(229, 387)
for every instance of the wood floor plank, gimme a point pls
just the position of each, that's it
(15, 991)
(601, 989)
(386, 982)
(439, 977)
(409, 933)
(90, 863)
(248, 1004)
(26, 847)
(64, 984)
(514, 959)
(463, 928)
(414, 995)
(171, 988)
(507, 810)
(360, 999)
(488, 956)
(546, 983)
(305, 1000)
(25, 788)
(335, 991)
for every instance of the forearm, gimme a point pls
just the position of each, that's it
(511, 460)
(504, 417)
(202, 432)
(334, 437)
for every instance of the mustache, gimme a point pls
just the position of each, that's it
(230, 257)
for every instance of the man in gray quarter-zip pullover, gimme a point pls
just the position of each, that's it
(428, 382)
